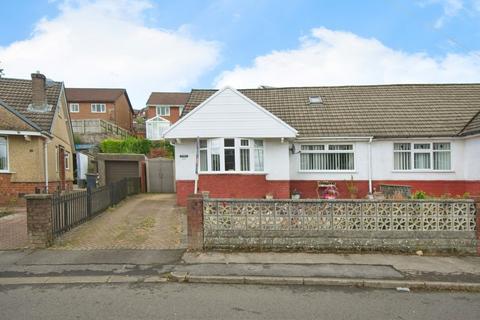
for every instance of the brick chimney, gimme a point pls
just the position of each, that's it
(39, 95)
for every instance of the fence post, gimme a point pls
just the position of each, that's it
(89, 202)
(195, 221)
(111, 188)
(39, 220)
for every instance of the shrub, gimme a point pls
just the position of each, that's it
(128, 145)
(419, 195)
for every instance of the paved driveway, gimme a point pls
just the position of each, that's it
(13, 230)
(145, 221)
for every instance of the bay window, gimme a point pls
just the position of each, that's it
(327, 157)
(231, 155)
(422, 156)
(3, 154)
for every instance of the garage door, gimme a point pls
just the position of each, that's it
(117, 170)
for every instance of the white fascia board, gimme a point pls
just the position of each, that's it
(167, 134)
(21, 133)
(314, 139)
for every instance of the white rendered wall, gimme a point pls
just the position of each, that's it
(472, 158)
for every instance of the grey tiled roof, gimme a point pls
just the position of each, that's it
(168, 98)
(17, 93)
(93, 94)
(416, 110)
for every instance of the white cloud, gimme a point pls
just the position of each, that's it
(106, 44)
(329, 57)
(450, 9)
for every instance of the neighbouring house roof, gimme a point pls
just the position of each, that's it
(93, 94)
(17, 95)
(96, 95)
(168, 98)
(406, 110)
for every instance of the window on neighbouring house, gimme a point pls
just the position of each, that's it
(421, 156)
(327, 157)
(163, 110)
(74, 107)
(56, 159)
(67, 160)
(3, 154)
(99, 108)
(231, 154)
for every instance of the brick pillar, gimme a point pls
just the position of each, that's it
(39, 220)
(195, 221)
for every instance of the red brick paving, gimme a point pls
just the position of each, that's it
(13, 230)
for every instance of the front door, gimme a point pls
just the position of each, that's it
(61, 167)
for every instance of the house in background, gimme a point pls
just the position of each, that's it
(276, 141)
(163, 109)
(36, 139)
(112, 105)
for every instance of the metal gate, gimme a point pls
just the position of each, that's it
(161, 177)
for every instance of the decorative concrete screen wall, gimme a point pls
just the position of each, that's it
(409, 225)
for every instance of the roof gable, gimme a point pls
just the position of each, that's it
(17, 94)
(417, 110)
(228, 113)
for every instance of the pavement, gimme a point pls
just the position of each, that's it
(308, 269)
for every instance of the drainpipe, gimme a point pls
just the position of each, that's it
(197, 155)
(370, 189)
(45, 151)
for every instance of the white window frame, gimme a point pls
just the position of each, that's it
(77, 105)
(160, 107)
(66, 160)
(8, 155)
(94, 107)
(324, 151)
(237, 148)
(413, 151)
(56, 158)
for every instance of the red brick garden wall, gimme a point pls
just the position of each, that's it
(233, 186)
(256, 186)
(14, 191)
(434, 188)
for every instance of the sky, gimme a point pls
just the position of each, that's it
(149, 45)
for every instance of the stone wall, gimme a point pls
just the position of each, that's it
(333, 225)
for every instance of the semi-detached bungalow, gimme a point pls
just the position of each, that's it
(253, 142)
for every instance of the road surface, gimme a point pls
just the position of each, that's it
(196, 301)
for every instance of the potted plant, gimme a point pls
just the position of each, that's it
(352, 188)
(330, 192)
(295, 194)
